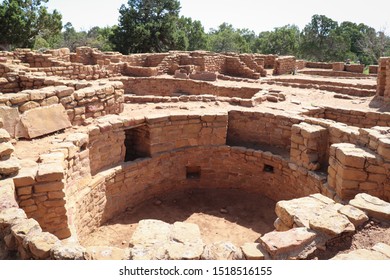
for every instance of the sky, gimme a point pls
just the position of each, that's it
(256, 15)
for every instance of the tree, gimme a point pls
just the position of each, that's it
(21, 21)
(194, 32)
(283, 41)
(315, 36)
(147, 26)
(227, 39)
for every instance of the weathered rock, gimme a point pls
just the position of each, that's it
(373, 206)
(222, 251)
(6, 149)
(48, 172)
(4, 136)
(106, 253)
(10, 118)
(9, 215)
(7, 195)
(156, 240)
(356, 216)
(253, 251)
(331, 223)
(10, 166)
(280, 226)
(315, 212)
(361, 254)
(68, 252)
(20, 230)
(296, 243)
(55, 119)
(383, 249)
(185, 242)
(27, 173)
(299, 211)
(40, 245)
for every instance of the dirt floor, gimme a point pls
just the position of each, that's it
(222, 215)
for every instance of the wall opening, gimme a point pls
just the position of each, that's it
(193, 172)
(137, 143)
(268, 168)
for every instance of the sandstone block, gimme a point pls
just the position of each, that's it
(9, 215)
(40, 244)
(356, 216)
(48, 187)
(20, 230)
(4, 135)
(10, 118)
(6, 149)
(9, 167)
(50, 172)
(28, 106)
(26, 175)
(68, 252)
(106, 253)
(361, 254)
(280, 226)
(253, 251)
(383, 249)
(45, 120)
(331, 223)
(373, 206)
(296, 243)
(222, 251)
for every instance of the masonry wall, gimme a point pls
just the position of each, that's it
(253, 129)
(170, 86)
(91, 101)
(220, 167)
(284, 65)
(319, 65)
(384, 78)
(355, 118)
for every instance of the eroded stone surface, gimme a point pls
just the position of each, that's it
(253, 251)
(157, 240)
(102, 253)
(373, 206)
(356, 216)
(55, 119)
(361, 254)
(68, 252)
(40, 244)
(296, 243)
(316, 212)
(222, 251)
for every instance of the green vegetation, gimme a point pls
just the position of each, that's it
(156, 26)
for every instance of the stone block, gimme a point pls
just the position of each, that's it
(11, 118)
(296, 243)
(356, 216)
(48, 172)
(40, 245)
(253, 251)
(102, 253)
(222, 251)
(373, 206)
(45, 120)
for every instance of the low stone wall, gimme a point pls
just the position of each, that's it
(354, 68)
(319, 65)
(383, 88)
(338, 66)
(171, 86)
(355, 118)
(92, 101)
(300, 64)
(285, 65)
(252, 129)
(373, 69)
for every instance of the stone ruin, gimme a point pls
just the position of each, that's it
(86, 135)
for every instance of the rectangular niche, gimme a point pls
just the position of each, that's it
(268, 168)
(137, 143)
(193, 172)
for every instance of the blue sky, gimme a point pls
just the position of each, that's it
(256, 15)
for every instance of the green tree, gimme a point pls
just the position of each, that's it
(227, 39)
(99, 37)
(194, 32)
(283, 41)
(21, 21)
(316, 43)
(147, 26)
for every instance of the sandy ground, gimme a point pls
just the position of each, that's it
(222, 215)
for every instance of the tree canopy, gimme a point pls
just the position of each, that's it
(22, 21)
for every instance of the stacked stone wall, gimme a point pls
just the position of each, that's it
(383, 82)
(253, 129)
(285, 65)
(319, 65)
